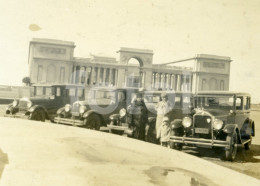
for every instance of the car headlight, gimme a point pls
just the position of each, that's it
(122, 112)
(29, 104)
(67, 108)
(186, 122)
(15, 103)
(217, 124)
(82, 109)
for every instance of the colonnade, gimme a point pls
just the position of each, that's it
(94, 75)
(168, 81)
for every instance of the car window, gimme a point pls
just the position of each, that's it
(58, 92)
(48, 91)
(121, 96)
(218, 102)
(239, 103)
(39, 91)
(80, 92)
(72, 91)
(248, 103)
(105, 97)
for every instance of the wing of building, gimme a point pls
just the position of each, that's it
(53, 61)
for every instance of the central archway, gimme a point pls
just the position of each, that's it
(135, 68)
(133, 73)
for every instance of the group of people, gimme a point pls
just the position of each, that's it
(138, 119)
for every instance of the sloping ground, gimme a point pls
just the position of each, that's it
(40, 154)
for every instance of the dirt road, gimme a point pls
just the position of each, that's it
(247, 162)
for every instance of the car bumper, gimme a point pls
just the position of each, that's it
(123, 130)
(200, 142)
(68, 121)
(17, 115)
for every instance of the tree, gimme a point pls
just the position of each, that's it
(27, 81)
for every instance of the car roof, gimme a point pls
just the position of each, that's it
(220, 93)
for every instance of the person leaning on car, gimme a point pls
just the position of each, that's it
(162, 108)
(138, 117)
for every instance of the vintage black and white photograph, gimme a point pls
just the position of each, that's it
(119, 92)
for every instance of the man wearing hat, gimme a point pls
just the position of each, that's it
(162, 108)
(138, 117)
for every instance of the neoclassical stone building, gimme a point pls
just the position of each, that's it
(53, 61)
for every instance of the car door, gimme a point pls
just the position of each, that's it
(241, 112)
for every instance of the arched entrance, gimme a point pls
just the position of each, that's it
(133, 73)
(135, 69)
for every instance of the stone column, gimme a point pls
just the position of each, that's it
(143, 80)
(178, 82)
(172, 82)
(74, 74)
(184, 83)
(163, 81)
(104, 76)
(98, 76)
(110, 77)
(116, 77)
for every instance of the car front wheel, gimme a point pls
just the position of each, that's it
(92, 122)
(232, 146)
(37, 115)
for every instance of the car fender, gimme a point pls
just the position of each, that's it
(230, 128)
(36, 107)
(89, 112)
(252, 125)
(60, 110)
(177, 123)
(114, 117)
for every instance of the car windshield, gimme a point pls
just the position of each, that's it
(43, 91)
(217, 102)
(104, 97)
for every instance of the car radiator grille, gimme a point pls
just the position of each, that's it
(22, 106)
(202, 126)
(75, 107)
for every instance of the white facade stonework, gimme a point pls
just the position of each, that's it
(53, 61)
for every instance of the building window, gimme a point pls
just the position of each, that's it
(51, 74)
(62, 74)
(204, 84)
(39, 76)
(222, 85)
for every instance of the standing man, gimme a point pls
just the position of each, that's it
(162, 108)
(138, 117)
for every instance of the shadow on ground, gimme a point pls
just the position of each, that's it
(243, 156)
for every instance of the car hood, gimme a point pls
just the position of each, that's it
(36, 154)
(36, 100)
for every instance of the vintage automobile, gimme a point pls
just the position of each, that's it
(46, 100)
(95, 110)
(182, 106)
(221, 121)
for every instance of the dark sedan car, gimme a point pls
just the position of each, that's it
(181, 106)
(45, 102)
(221, 121)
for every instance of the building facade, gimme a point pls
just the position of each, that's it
(53, 61)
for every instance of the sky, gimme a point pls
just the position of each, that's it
(173, 29)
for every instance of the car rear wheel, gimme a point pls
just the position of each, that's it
(174, 145)
(37, 115)
(232, 144)
(92, 122)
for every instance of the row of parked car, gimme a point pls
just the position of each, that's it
(218, 120)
